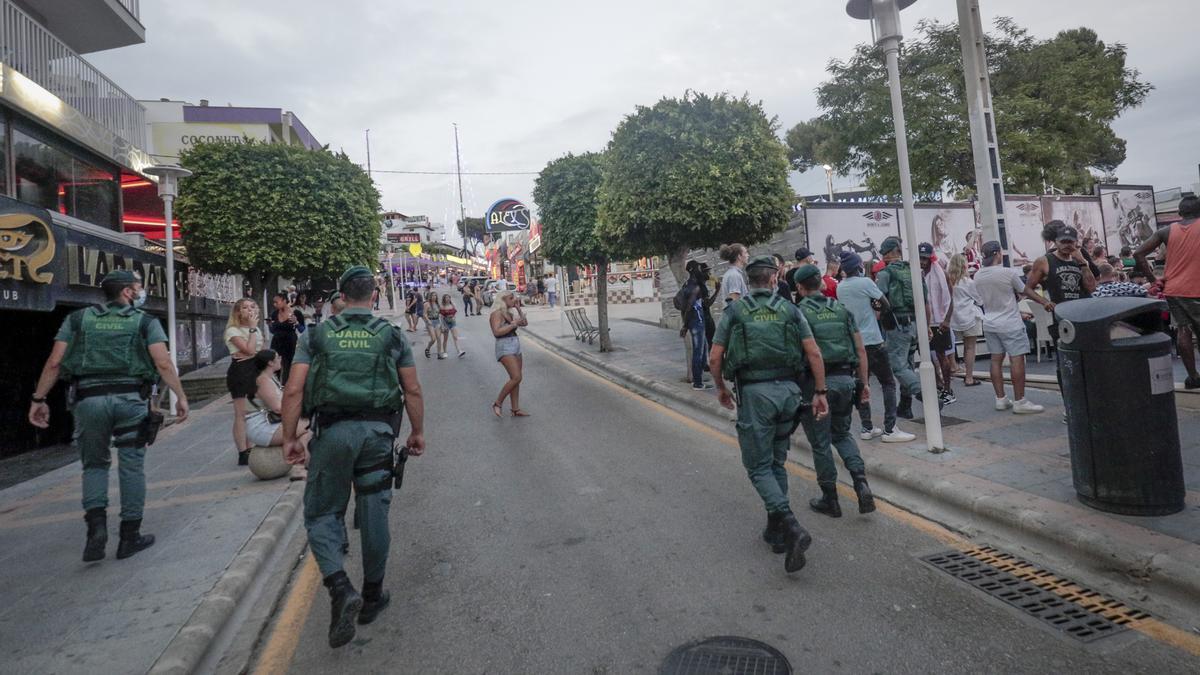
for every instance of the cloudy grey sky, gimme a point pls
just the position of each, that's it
(528, 81)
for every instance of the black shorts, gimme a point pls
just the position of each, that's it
(240, 379)
(942, 340)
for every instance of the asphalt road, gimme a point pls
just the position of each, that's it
(604, 531)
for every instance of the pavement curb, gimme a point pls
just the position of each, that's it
(1174, 568)
(190, 645)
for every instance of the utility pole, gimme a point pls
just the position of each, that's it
(989, 182)
(368, 133)
(462, 211)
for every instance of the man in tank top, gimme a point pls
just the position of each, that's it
(1182, 278)
(1063, 272)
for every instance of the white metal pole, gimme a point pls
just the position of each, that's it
(168, 203)
(933, 420)
(989, 185)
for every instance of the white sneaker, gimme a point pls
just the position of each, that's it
(868, 434)
(1004, 403)
(1026, 407)
(898, 436)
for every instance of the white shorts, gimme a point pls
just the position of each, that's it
(260, 431)
(1014, 342)
(974, 331)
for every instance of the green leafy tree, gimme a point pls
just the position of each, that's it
(472, 231)
(1055, 102)
(565, 192)
(692, 173)
(267, 210)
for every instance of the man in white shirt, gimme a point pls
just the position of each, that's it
(998, 287)
(551, 290)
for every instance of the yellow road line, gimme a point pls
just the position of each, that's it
(277, 655)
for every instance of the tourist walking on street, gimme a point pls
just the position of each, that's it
(764, 344)
(551, 290)
(1182, 279)
(357, 420)
(900, 322)
(967, 318)
(941, 309)
(286, 324)
(449, 325)
(860, 296)
(264, 420)
(113, 355)
(696, 305)
(243, 341)
(845, 363)
(508, 350)
(733, 282)
(468, 298)
(412, 306)
(997, 287)
(433, 324)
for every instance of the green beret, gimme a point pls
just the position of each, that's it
(763, 261)
(890, 244)
(354, 273)
(804, 272)
(120, 277)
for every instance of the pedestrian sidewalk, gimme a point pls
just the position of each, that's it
(1005, 470)
(60, 615)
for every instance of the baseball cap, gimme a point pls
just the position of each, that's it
(763, 261)
(890, 244)
(354, 273)
(802, 253)
(1067, 233)
(850, 260)
(805, 272)
(990, 248)
(925, 249)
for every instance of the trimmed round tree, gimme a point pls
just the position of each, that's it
(695, 172)
(267, 210)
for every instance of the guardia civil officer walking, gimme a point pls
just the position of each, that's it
(764, 345)
(112, 355)
(845, 358)
(352, 375)
(900, 324)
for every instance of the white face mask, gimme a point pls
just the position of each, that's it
(140, 298)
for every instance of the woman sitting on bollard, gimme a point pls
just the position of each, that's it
(264, 422)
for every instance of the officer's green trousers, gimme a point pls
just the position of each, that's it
(340, 451)
(833, 430)
(900, 343)
(766, 419)
(102, 422)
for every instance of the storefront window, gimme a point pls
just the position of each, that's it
(50, 177)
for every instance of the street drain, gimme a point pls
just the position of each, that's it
(1080, 612)
(726, 655)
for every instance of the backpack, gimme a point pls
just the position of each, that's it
(831, 323)
(352, 369)
(109, 342)
(900, 290)
(764, 340)
(680, 301)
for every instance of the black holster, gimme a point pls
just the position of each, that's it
(148, 429)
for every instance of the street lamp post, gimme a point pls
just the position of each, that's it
(829, 180)
(885, 24)
(168, 187)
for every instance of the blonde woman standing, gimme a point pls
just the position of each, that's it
(508, 351)
(243, 340)
(967, 319)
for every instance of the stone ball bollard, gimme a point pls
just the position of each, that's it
(268, 463)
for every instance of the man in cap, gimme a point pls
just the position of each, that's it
(941, 308)
(764, 344)
(696, 319)
(804, 256)
(1064, 272)
(352, 375)
(860, 296)
(845, 362)
(900, 323)
(112, 355)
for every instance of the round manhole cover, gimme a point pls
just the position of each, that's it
(726, 655)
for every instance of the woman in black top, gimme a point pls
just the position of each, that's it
(286, 324)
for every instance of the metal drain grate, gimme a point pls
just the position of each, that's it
(1080, 612)
(726, 655)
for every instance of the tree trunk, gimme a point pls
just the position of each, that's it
(676, 260)
(602, 305)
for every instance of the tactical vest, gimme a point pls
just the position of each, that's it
(830, 322)
(351, 369)
(764, 340)
(109, 342)
(900, 290)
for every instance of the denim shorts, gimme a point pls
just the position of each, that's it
(1014, 341)
(508, 346)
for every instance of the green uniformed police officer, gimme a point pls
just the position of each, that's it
(764, 345)
(352, 375)
(112, 355)
(844, 356)
(900, 326)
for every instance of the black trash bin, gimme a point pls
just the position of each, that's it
(1119, 389)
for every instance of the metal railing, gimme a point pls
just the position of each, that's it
(30, 48)
(133, 6)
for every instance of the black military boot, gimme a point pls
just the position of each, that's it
(97, 534)
(243, 458)
(797, 540)
(904, 407)
(345, 604)
(866, 500)
(773, 535)
(827, 503)
(375, 600)
(132, 540)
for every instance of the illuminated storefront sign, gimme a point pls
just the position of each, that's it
(507, 215)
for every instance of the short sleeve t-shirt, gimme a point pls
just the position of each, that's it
(997, 287)
(734, 281)
(551, 285)
(855, 294)
(401, 351)
(721, 336)
(236, 332)
(153, 334)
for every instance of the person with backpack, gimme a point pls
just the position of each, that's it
(693, 301)
(900, 324)
(846, 371)
(764, 345)
(112, 355)
(353, 375)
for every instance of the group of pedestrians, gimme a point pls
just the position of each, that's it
(439, 317)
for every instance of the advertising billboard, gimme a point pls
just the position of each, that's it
(949, 227)
(1081, 212)
(833, 228)
(1128, 212)
(1023, 219)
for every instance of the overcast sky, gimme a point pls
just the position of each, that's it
(529, 81)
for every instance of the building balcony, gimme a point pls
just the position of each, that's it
(88, 26)
(28, 47)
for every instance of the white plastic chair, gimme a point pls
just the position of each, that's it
(1042, 320)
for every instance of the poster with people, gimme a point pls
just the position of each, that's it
(951, 228)
(1081, 213)
(1129, 214)
(861, 228)
(1023, 221)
